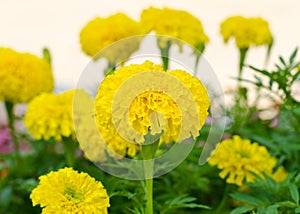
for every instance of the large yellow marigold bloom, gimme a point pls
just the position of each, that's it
(50, 116)
(23, 76)
(238, 157)
(102, 32)
(151, 110)
(174, 23)
(67, 191)
(246, 31)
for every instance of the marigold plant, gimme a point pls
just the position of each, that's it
(50, 116)
(169, 22)
(68, 191)
(102, 32)
(246, 31)
(23, 76)
(151, 110)
(238, 158)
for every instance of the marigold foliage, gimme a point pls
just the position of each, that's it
(50, 116)
(102, 32)
(68, 191)
(150, 110)
(174, 23)
(23, 76)
(237, 158)
(246, 31)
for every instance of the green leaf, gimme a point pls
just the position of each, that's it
(5, 196)
(282, 60)
(294, 192)
(297, 210)
(246, 198)
(293, 56)
(287, 204)
(272, 209)
(241, 210)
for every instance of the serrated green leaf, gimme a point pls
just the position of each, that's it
(241, 210)
(294, 193)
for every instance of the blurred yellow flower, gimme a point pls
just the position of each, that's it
(67, 191)
(149, 106)
(238, 157)
(174, 23)
(23, 76)
(102, 32)
(246, 31)
(50, 116)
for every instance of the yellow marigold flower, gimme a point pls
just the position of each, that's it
(50, 116)
(246, 31)
(237, 158)
(150, 110)
(67, 191)
(102, 32)
(23, 76)
(173, 23)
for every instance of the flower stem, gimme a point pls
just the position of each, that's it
(223, 202)
(70, 149)
(164, 51)
(110, 69)
(243, 53)
(148, 152)
(11, 119)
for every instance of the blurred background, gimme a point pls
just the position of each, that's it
(30, 25)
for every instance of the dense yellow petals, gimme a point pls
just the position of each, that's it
(23, 76)
(102, 32)
(237, 158)
(50, 116)
(246, 31)
(67, 191)
(174, 23)
(151, 110)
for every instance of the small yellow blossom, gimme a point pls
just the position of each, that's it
(23, 76)
(102, 32)
(50, 116)
(246, 31)
(149, 108)
(237, 158)
(67, 191)
(174, 23)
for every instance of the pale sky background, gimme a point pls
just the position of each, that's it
(30, 25)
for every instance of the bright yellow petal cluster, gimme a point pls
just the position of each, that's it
(150, 110)
(23, 76)
(102, 32)
(174, 23)
(246, 31)
(238, 157)
(67, 191)
(50, 116)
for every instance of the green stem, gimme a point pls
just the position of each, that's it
(164, 51)
(70, 149)
(243, 53)
(11, 120)
(110, 69)
(148, 152)
(199, 51)
(223, 202)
